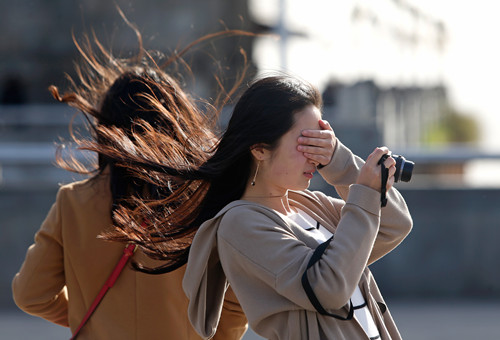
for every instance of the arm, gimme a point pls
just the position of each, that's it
(257, 248)
(395, 221)
(39, 286)
(341, 168)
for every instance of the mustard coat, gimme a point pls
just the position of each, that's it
(67, 265)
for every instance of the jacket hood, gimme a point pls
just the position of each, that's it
(204, 281)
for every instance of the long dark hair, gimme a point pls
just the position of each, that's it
(134, 108)
(263, 114)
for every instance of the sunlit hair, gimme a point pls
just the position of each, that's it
(266, 111)
(134, 108)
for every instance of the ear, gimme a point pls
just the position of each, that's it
(260, 151)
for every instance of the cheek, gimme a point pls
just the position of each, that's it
(289, 163)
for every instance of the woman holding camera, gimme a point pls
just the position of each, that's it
(297, 260)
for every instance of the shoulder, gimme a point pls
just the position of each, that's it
(246, 219)
(84, 190)
(323, 208)
(93, 183)
(244, 212)
(242, 208)
(313, 196)
(316, 199)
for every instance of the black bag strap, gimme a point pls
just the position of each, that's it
(318, 252)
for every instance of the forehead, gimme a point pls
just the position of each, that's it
(307, 118)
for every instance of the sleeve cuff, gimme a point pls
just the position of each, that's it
(341, 157)
(364, 197)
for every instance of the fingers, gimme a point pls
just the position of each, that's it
(322, 140)
(325, 125)
(376, 155)
(318, 145)
(370, 174)
(320, 153)
(389, 162)
(325, 130)
(392, 170)
(317, 158)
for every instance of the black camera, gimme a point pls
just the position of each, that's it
(404, 167)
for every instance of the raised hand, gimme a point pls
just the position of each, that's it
(370, 174)
(318, 145)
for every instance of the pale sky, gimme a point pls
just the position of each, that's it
(375, 46)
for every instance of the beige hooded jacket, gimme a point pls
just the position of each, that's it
(264, 256)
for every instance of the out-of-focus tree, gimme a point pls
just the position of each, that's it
(455, 127)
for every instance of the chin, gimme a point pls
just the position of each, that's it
(301, 187)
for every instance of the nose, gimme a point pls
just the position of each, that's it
(315, 163)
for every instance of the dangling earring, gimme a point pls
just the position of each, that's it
(255, 176)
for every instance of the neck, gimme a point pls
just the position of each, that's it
(278, 202)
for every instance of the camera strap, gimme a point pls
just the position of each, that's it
(384, 176)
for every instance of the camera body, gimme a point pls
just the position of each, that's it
(404, 167)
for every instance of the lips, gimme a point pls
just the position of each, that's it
(309, 175)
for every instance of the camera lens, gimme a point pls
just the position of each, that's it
(404, 169)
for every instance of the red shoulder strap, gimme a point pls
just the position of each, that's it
(127, 254)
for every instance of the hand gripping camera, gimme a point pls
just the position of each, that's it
(404, 167)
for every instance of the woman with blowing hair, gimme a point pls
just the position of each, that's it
(123, 100)
(296, 259)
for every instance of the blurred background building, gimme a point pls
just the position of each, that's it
(389, 76)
